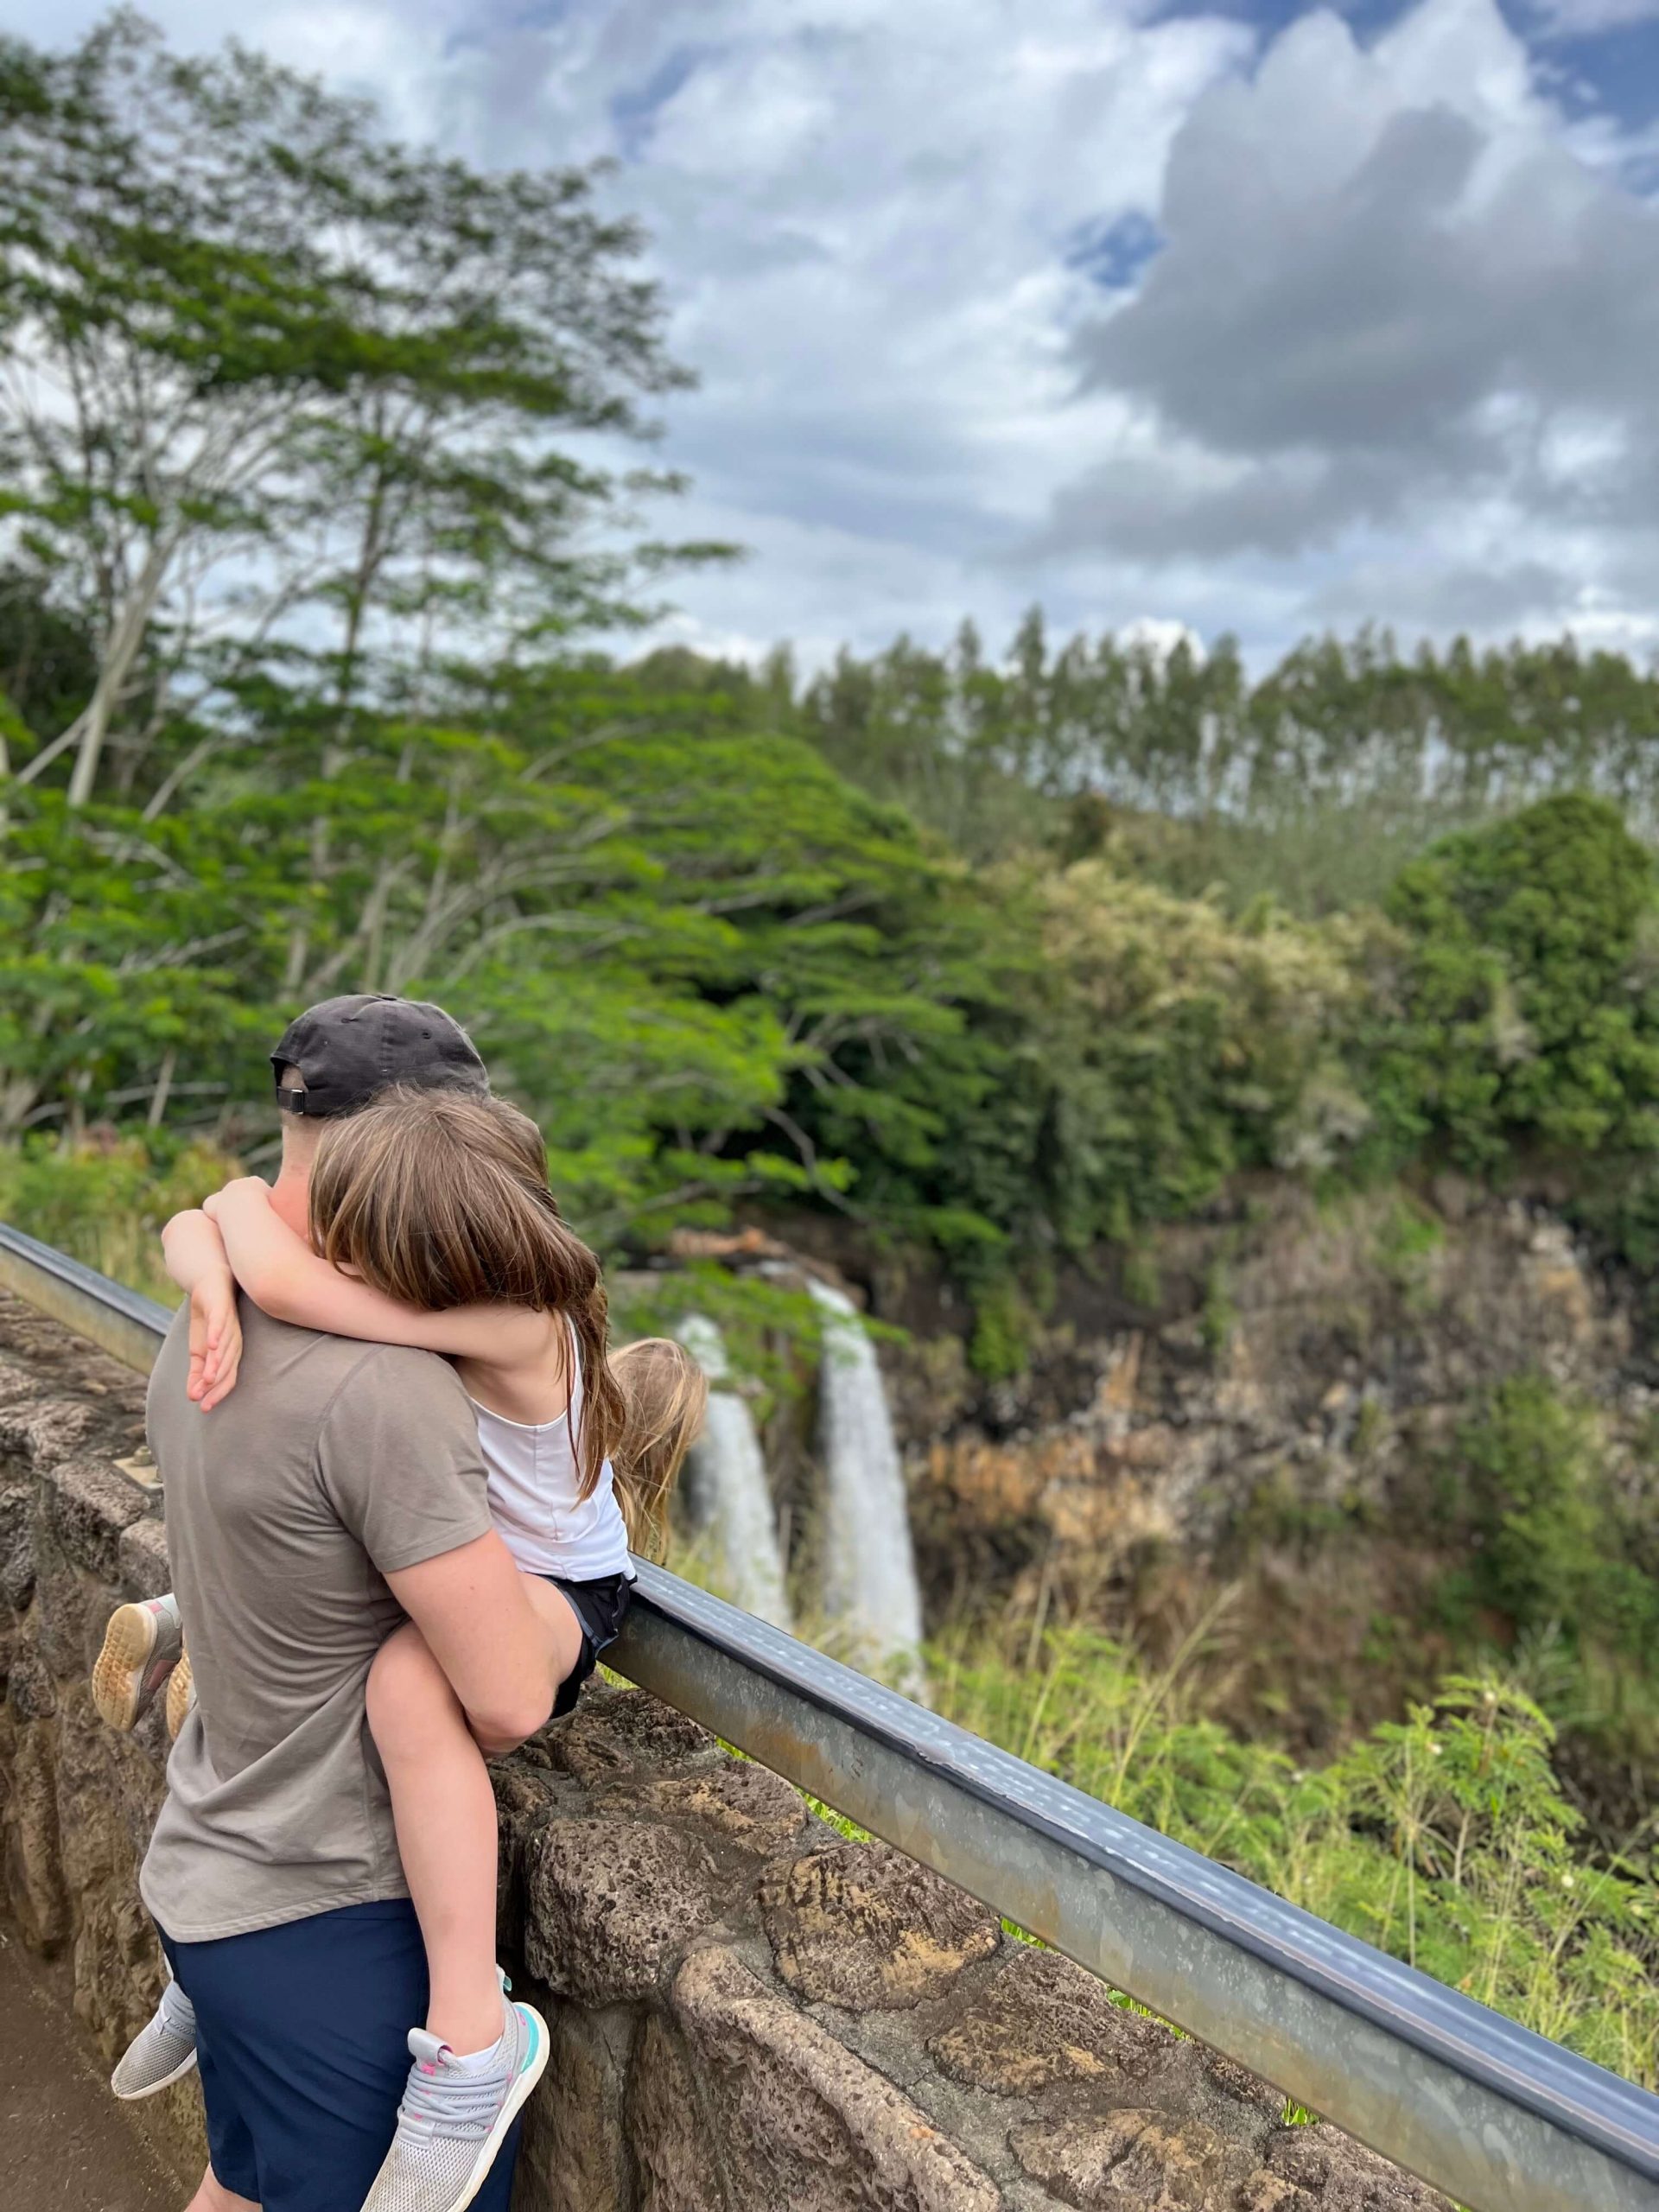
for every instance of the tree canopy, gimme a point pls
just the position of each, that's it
(289, 402)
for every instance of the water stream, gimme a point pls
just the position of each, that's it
(728, 1491)
(870, 1591)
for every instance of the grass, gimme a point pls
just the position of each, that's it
(1446, 1839)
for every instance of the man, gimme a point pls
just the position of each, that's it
(338, 1489)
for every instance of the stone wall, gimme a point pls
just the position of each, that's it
(748, 2010)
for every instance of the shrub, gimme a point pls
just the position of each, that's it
(1524, 1009)
(105, 1200)
(1179, 1046)
(1551, 1551)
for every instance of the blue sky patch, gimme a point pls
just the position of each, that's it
(635, 110)
(1616, 73)
(1114, 254)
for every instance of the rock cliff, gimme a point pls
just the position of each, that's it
(1266, 1401)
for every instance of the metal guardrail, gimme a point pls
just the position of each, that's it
(1500, 2118)
(123, 1321)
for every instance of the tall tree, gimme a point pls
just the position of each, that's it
(277, 387)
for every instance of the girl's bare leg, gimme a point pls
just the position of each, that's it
(444, 1809)
(213, 2197)
(552, 1608)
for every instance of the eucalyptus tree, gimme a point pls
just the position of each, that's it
(281, 391)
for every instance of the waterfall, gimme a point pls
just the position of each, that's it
(730, 1495)
(869, 1568)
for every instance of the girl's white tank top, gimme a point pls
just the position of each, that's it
(534, 1478)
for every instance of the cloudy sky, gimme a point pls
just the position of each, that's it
(1226, 313)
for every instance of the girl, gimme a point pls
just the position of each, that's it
(432, 1225)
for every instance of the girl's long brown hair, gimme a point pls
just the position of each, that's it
(663, 1395)
(440, 1198)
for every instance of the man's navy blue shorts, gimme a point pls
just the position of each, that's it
(300, 2034)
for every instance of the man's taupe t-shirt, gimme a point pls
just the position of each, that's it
(331, 1464)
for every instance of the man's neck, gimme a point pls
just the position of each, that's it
(290, 1194)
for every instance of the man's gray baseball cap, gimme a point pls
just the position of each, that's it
(347, 1049)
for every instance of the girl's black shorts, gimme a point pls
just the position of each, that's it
(601, 1607)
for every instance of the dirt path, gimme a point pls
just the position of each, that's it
(65, 2146)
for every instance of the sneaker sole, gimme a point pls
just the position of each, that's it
(119, 1670)
(528, 2075)
(136, 2096)
(180, 1696)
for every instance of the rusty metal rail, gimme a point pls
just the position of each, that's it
(1500, 2118)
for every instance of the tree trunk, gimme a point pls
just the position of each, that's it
(163, 1084)
(91, 725)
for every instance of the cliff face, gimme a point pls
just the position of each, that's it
(747, 2008)
(1271, 1415)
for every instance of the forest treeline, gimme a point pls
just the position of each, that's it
(1312, 782)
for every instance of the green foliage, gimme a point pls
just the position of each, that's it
(1004, 958)
(1553, 1552)
(124, 945)
(1001, 1344)
(286, 587)
(686, 946)
(1158, 1048)
(104, 1201)
(284, 395)
(1559, 1569)
(939, 734)
(293, 547)
(1524, 1012)
(1182, 1045)
(1446, 1839)
(1529, 1462)
(1406, 1238)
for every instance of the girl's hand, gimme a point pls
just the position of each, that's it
(215, 1339)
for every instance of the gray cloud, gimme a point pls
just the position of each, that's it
(1273, 321)
(1488, 601)
(1145, 509)
(1373, 306)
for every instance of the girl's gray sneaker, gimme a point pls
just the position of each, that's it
(162, 2052)
(454, 2119)
(142, 1645)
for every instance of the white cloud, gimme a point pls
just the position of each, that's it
(1396, 333)
(865, 218)
(1588, 18)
